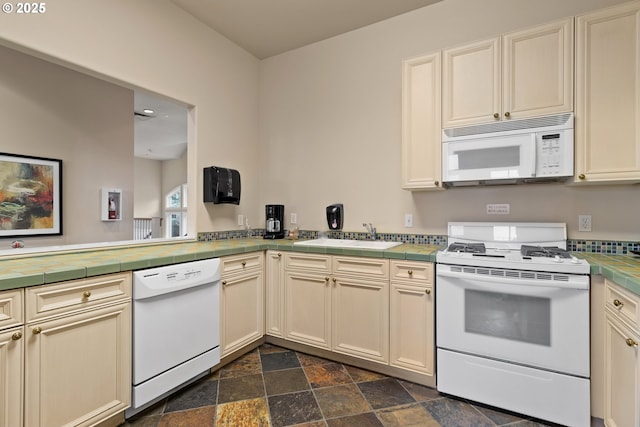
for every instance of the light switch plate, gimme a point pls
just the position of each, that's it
(294, 218)
(408, 220)
(240, 219)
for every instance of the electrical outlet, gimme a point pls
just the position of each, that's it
(240, 219)
(408, 220)
(294, 218)
(584, 222)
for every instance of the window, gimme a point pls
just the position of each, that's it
(175, 212)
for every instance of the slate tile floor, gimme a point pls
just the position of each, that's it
(272, 386)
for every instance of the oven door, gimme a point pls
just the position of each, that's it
(533, 319)
(505, 157)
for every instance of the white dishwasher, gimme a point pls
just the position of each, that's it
(176, 328)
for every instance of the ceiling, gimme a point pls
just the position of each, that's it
(161, 135)
(270, 27)
(263, 28)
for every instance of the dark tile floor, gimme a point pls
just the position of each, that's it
(272, 386)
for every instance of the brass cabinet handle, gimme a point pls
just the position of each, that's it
(581, 176)
(279, 254)
(86, 294)
(436, 183)
(618, 303)
(326, 279)
(16, 336)
(334, 280)
(496, 115)
(410, 272)
(427, 291)
(631, 342)
(37, 330)
(507, 114)
(244, 263)
(224, 283)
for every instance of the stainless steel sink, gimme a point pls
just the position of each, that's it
(349, 244)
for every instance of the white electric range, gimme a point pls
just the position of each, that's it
(512, 320)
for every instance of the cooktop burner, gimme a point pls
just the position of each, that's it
(543, 251)
(471, 248)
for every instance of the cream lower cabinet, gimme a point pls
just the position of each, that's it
(274, 296)
(621, 358)
(522, 74)
(338, 303)
(241, 301)
(11, 358)
(78, 351)
(412, 316)
(607, 125)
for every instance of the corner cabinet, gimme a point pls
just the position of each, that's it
(421, 130)
(522, 74)
(621, 359)
(78, 351)
(607, 126)
(11, 358)
(413, 316)
(241, 301)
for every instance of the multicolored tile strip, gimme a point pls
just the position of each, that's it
(588, 246)
(413, 239)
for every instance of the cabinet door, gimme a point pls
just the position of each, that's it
(622, 375)
(274, 285)
(607, 93)
(412, 327)
(361, 318)
(537, 71)
(421, 123)
(308, 308)
(471, 84)
(11, 376)
(241, 310)
(78, 367)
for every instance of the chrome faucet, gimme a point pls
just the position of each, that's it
(371, 229)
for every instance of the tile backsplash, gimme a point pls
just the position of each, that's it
(589, 246)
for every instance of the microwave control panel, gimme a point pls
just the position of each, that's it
(552, 154)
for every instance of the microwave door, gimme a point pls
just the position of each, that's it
(491, 158)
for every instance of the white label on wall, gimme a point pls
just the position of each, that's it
(498, 209)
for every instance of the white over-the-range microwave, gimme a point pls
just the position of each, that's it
(528, 150)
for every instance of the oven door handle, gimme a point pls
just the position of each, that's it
(511, 281)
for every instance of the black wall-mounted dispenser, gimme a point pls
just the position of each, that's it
(221, 185)
(335, 216)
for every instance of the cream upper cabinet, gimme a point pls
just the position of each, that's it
(607, 126)
(521, 74)
(621, 358)
(241, 301)
(78, 351)
(11, 358)
(421, 123)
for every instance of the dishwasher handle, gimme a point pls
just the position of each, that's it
(178, 278)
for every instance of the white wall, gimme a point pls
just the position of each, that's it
(147, 193)
(154, 45)
(44, 112)
(330, 129)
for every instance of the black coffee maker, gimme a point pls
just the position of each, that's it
(274, 225)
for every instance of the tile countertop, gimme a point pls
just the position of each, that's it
(38, 269)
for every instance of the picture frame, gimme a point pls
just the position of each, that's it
(30, 196)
